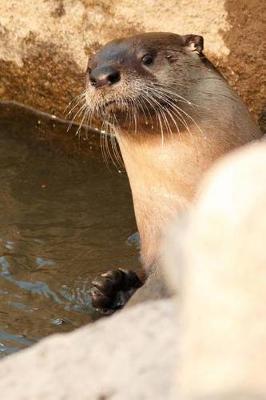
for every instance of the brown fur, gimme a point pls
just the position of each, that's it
(166, 157)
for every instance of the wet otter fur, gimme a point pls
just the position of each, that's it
(173, 114)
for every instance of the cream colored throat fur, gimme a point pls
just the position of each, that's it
(163, 179)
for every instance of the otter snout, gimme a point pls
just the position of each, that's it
(104, 76)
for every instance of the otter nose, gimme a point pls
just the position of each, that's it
(102, 76)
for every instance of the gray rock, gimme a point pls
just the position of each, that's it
(223, 281)
(131, 355)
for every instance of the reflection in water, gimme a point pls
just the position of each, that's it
(63, 220)
(40, 288)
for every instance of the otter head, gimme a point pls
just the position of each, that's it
(143, 77)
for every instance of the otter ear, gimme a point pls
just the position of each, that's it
(193, 42)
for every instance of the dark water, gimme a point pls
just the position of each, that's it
(63, 220)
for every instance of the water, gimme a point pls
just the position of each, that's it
(64, 218)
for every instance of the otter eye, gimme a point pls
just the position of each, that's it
(147, 59)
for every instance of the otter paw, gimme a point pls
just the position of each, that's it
(111, 290)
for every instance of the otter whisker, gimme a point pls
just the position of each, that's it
(179, 110)
(114, 155)
(142, 109)
(161, 111)
(107, 147)
(144, 106)
(77, 114)
(105, 137)
(74, 103)
(161, 127)
(110, 126)
(174, 110)
(135, 119)
(133, 115)
(172, 119)
(103, 149)
(81, 124)
(168, 91)
(150, 99)
(118, 158)
(167, 125)
(79, 101)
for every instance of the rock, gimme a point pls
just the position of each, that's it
(131, 355)
(44, 45)
(224, 287)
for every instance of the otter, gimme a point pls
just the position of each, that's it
(173, 114)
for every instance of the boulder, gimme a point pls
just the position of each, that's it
(131, 355)
(44, 45)
(224, 283)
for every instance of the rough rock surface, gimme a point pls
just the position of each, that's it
(224, 338)
(44, 45)
(131, 355)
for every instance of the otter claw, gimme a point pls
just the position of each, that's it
(111, 290)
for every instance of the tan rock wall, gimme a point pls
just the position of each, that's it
(44, 44)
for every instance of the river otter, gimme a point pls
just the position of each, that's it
(173, 115)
